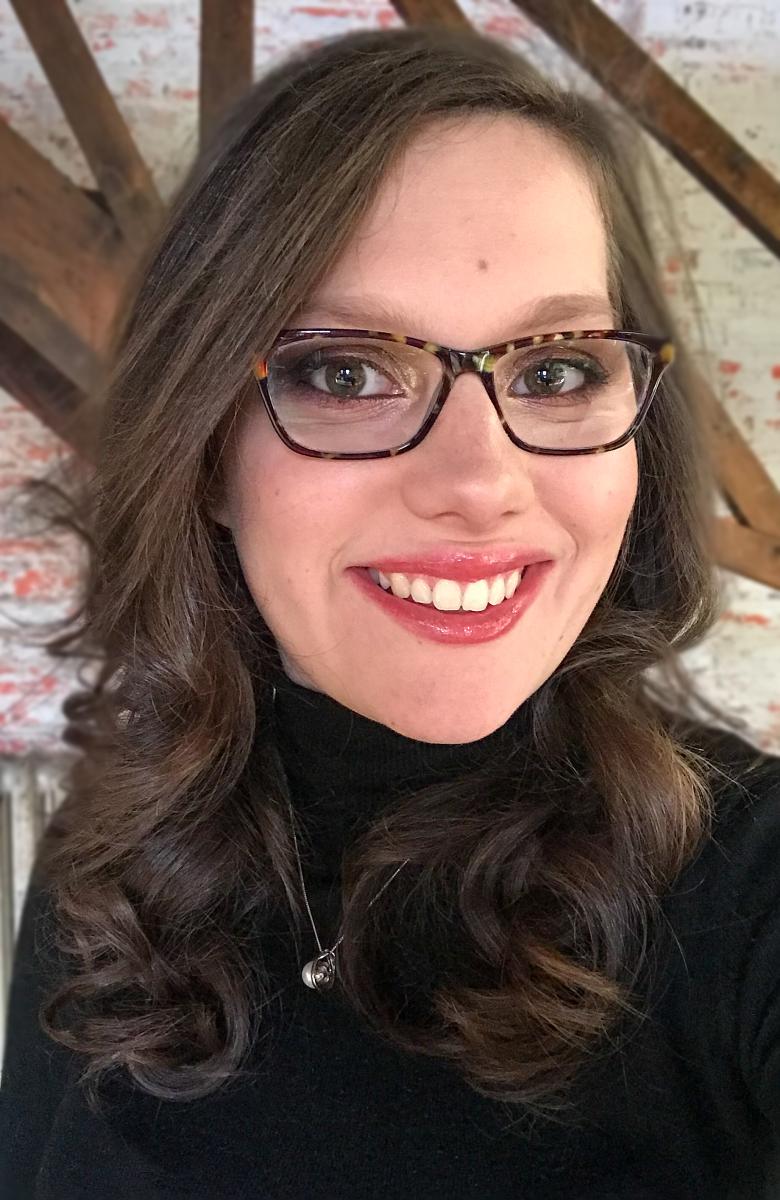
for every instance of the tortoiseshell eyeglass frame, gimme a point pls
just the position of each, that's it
(482, 362)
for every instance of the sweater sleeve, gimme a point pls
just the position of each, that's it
(36, 1069)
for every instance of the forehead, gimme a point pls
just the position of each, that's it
(472, 232)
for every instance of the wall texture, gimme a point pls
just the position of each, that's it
(726, 55)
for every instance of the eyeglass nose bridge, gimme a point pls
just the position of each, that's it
(469, 362)
(462, 362)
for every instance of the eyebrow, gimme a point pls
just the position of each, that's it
(376, 312)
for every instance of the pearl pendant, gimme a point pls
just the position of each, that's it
(320, 972)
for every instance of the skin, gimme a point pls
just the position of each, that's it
(520, 222)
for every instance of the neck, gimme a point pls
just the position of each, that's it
(343, 768)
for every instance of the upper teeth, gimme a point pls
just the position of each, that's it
(447, 594)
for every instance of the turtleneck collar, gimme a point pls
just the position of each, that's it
(343, 768)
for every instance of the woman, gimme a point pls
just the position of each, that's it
(388, 871)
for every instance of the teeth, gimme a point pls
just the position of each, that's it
(512, 580)
(475, 595)
(497, 590)
(400, 585)
(446, 594)
(421, 592)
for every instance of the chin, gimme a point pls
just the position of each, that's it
(450, 727)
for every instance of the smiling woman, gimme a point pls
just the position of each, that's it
(401, 492)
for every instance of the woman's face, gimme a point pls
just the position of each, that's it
(482, 219)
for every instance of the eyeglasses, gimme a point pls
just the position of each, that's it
(360, 393)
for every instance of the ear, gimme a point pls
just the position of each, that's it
(217, 508)
(217, 495)
(219, 516)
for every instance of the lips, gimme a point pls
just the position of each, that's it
(455, 628)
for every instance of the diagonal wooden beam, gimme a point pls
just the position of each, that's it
(665, 110)
(743, 477)
(226, 57)
(24, 311)
(747, 552)
(62, 262)
(46, 393)
(120, 172)
(425, 12)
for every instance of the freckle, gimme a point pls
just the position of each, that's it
(482, 264)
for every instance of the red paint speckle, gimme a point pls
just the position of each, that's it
(157, 18)
(27, 583)
(308, 11)
(34, 582)
(37, 453)
(13, 746)
(139, 87)
(727, 367)
(745, 618)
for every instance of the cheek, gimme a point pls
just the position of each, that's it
(293, 517)
(595, 503)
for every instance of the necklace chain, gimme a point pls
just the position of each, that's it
(321, 971)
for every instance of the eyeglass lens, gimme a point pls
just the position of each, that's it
(360, 395)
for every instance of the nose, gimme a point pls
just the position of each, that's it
(469, 421)
(467, 463)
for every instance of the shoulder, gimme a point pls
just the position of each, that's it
(726, 912)
(37, 1072)
(736, 870)
(745, 841)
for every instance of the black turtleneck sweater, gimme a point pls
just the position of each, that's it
(690, 1107)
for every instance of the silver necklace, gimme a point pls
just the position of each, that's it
(320, 972)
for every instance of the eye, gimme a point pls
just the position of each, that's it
(346, 376)
(556, 376)
(343, 376)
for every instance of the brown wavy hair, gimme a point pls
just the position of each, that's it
(538, 888)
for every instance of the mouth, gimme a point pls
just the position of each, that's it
(449, 595)
(454, 624)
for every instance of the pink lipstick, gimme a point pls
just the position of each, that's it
(456, 628)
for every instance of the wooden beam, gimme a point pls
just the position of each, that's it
(120, 172)
(665, 110)
(62, 262)
(430, 12)
(31, 318)
(226, 57)
(747, 552)
(52, 398)
(746, 482)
